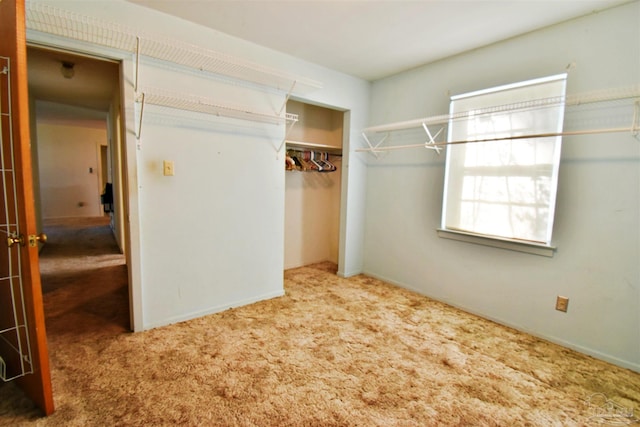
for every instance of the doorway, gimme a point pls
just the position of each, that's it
(75, 108)
(313, 184)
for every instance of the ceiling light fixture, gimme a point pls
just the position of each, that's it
(67, 69)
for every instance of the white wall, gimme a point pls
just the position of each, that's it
(67, 154)
(597, 227)
(212, 236)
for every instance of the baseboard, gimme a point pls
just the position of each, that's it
(584, 350)
(344, 274)
(213, 310)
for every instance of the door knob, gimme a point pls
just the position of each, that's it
(15, 240)
(34, 239)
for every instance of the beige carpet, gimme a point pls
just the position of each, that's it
(332, 352)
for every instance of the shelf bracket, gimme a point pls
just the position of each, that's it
(286, 98)
(373, 149)
(293, 120)
(431, 144)
(135, 84)
(139, 131)
(287, 130)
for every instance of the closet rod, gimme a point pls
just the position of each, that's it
(633, 130)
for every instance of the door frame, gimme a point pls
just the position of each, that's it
(124, 142)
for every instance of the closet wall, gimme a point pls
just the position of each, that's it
(312, 198)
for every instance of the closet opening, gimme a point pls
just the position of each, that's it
(313, 184)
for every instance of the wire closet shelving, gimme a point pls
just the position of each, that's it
(434, 126)
(52, 20)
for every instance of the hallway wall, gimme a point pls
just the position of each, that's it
(69, 166)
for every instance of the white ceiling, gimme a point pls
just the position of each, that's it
(375, 39)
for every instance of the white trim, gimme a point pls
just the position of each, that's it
(499, 242)
(129, 153)
(510, 86)
(213, 310)
(453, 216)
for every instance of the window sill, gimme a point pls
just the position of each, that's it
(496, 242)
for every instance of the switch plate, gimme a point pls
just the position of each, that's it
(168, 168)
(562, 303)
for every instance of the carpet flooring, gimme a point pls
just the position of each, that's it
(331, 352)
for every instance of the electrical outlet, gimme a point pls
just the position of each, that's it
(562, 303)
(168, 168)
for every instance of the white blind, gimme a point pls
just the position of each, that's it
(505, 188)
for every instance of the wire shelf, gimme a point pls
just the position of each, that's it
(52, 20)
(585, 113)
(600, 96)
(207, 106)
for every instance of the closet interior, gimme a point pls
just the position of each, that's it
(313, 184)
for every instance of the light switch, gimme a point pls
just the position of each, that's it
(168, 168)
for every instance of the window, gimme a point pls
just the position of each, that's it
(503, 185)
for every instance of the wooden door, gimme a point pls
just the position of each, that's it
(23, 343)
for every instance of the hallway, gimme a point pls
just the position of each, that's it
(84, 281)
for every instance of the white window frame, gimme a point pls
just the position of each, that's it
(487, 214)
